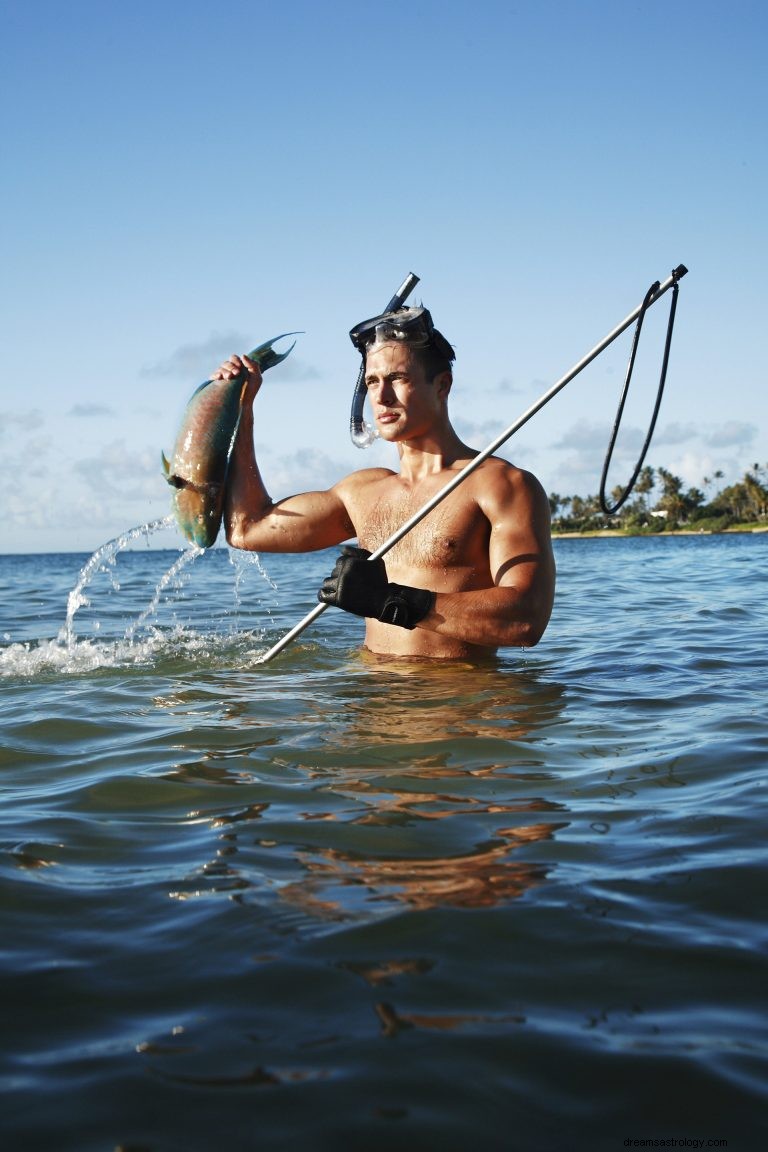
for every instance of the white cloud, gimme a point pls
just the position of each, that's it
(508, 387)
(33, 460)
(576, 475)
(692, 467)
(118, 470)
(293, 370)
(734, 433)
(195, 362)
(13, 422)
(675, 433)
(584, 436)
(86, 411)
(305, 470)
(478, 434)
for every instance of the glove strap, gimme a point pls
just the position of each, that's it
(405, 606)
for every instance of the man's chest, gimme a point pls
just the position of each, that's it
(452, 534)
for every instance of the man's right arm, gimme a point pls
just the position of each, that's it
(302, 523)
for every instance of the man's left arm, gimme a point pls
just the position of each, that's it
(515, 610)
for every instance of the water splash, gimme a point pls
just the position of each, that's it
(172, 649)
(101, 559)
(139, 642)
(244, 564)
(170, 576)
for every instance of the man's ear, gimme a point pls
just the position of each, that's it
(443, 382)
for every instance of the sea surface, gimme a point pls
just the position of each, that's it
(337, 902)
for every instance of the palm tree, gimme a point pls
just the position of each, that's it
(672, 499)
(755, 492)
(693, 498)
(646, 482)
(616, 495)
(578, 508)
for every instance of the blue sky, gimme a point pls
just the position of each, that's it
(181, 180)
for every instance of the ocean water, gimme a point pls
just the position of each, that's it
(335, 902)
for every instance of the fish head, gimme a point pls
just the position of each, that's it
(198, 509)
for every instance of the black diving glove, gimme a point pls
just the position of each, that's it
(360, 586)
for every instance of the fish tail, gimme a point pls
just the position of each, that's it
(265, 355)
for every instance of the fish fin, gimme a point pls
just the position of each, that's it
(171, 477)
(265, 355)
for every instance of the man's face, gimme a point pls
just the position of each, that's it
(405, 404)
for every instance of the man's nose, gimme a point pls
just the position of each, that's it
(384, 393)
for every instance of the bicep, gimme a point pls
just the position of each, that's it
(520, 547)
(303, 523)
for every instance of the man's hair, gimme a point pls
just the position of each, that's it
(436, 357)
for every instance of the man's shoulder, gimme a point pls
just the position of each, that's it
(498, 480)
(363, 478)
(495, 468)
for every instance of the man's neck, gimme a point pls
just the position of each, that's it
(431, 455)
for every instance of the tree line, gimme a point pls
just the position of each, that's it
(660, 502)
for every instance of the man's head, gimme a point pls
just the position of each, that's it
(413, 328)
(407, 404)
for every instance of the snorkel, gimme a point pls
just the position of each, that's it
(361, 432)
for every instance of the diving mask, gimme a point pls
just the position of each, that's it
(411, 326)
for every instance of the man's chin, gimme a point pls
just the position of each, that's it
(388, 431)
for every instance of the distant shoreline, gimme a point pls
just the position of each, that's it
(591, 533)
(619, 533)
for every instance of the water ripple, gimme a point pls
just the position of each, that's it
(343, 902)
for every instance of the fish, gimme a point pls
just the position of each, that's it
(197, 470)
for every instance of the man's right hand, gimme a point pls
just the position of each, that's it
(241, 366)
(360, 585)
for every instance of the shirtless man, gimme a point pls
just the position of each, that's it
(477, 573)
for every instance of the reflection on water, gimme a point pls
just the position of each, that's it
(415, 791)
(479, 879)
(394, 1021)
(421, 703)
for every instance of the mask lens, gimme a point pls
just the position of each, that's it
(408, 326)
